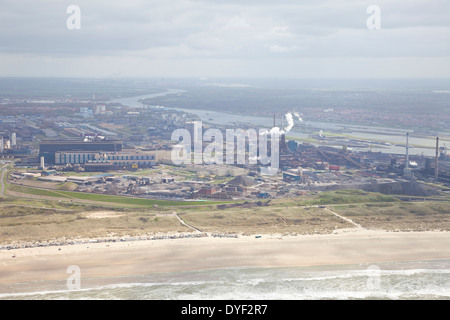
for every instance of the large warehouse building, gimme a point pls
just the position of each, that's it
(49, 148)
(95, 155)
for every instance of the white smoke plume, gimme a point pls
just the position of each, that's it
(290, 124)
(276, 130)
(299, 116)
(271, 131)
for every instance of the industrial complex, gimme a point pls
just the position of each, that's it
(113, 149)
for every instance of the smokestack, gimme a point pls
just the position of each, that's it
(436, 170)
(42, 162)
(13, 139)
(274, 124)
(407, 150)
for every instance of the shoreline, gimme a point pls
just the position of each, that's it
(128, 258)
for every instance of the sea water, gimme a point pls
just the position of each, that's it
(414, 280)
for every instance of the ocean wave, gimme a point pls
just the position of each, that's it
(365, 273)
(263, 283)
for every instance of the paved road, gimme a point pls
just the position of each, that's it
(2, 184)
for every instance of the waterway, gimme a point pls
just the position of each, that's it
(396, 137)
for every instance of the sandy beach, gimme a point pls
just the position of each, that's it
(172, 255)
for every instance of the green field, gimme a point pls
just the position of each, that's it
(105, 198)
(127, 200)
(349, 196)
(35, 191)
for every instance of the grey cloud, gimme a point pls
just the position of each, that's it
(239, 31)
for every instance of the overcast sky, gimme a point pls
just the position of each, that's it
(229, 38)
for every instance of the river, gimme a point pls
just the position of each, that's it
(395, 136)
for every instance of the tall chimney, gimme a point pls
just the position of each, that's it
(274, 124)
(407, 150)
(13, 139)
(436, 170)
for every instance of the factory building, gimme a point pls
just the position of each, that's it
(122, 158)
(76, 149)
(5, 143)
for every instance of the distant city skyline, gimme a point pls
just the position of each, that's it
(207, 39)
